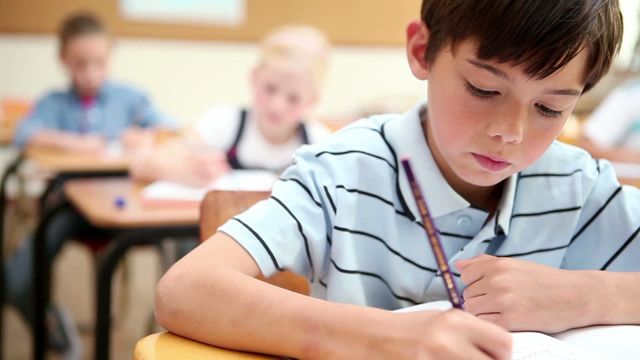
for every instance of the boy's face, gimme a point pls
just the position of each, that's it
(86, 59)
(282, 93)
(489, 120)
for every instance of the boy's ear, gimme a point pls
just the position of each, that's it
(417, 40)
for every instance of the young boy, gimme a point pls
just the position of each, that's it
(93, 111)
(83, 120)
(285, 85)
(526, 222)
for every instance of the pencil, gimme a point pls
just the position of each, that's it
(434, 238)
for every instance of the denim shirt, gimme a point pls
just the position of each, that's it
(116, 108)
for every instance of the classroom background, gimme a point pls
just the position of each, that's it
(186, 66)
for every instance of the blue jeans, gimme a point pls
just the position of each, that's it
(18, 270)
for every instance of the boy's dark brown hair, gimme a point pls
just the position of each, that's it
(79, 24)
(541, 35)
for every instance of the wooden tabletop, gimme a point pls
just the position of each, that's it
(629, 181)
(59, 161)
(116, 203)
(167, 346)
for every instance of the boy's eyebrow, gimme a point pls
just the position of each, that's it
(501, 74)
(569, 92)
(495, 71)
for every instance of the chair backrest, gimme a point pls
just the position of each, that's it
(220, 206)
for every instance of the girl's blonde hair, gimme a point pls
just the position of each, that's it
(305, 46)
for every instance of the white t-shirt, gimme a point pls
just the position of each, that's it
(218, 128)
(616, 122)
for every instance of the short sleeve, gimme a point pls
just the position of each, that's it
(42, 116)
(606, 237)
(291, 229)
(217, 126)
(146, 115)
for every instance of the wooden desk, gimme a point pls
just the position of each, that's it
(633, 182)
(132, 224)
(220, 206)
(59, 161)
(96, 199)
(167, 346)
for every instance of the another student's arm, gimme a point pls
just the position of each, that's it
(40, 129)
(175, 160)
(67, 141)
(211, 295)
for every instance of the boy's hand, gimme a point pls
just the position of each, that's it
(206, 166)
(452, 334)
(86, 144)
(133, 138)
(190, 164)
(521, 295)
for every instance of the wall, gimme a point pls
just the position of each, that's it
(185, 77)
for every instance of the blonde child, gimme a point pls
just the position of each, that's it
(285, 85)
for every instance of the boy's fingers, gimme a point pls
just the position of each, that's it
(481, 305)
(461, 264)
(491, 338)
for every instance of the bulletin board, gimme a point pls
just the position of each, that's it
(349, 22)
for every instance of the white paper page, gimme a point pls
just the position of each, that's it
(245, 180)
(613, 342)
(537, 346)
(237, 180)
(167, 190)
(532, 345)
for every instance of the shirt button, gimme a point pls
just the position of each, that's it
(464, 221)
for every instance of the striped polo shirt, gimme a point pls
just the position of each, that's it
(344, 216)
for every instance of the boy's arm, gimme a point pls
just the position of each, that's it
(524, 296)
(146, 115)
(67, 141)
(210, 295)
(40, 129)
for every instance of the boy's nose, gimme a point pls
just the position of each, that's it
(508, 127)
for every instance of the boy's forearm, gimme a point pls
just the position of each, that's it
(616, 297)
(229, 314)
(54, 139)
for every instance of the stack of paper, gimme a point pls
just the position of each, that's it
(166, 193)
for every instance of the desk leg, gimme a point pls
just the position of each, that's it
(118, 247)
(10, 171)
(41, 282)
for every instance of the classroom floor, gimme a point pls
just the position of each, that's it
(134, 287)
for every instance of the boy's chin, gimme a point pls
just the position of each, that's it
(486, 179)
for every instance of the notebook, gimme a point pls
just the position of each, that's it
(592, 343)
(167, 193)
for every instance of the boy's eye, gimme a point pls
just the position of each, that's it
(271, 88)
(479, 92)
(545, 111)
(293, 99)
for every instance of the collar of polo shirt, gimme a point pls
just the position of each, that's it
(405, 136)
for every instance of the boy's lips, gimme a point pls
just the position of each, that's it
(491, 163)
